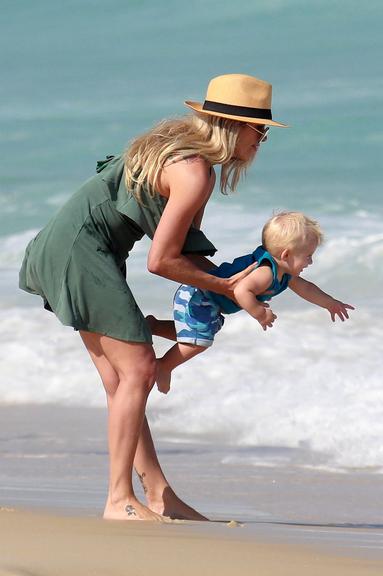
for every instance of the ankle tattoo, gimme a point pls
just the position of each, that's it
(141, 478)
(130, 510)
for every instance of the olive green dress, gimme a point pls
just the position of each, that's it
(77, 262)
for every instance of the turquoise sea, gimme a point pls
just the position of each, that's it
(80, 78)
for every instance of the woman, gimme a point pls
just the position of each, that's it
(77, 263)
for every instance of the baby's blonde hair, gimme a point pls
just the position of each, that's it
(210, 137)
(290, 230)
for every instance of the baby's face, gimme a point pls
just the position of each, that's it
(300, 258)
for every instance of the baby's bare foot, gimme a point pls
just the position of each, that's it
(163, 378)
(151, 320)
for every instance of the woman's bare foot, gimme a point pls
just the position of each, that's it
(173, 507)
(163, 377)
(131, 509)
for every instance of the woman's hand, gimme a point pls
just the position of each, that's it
(233, 281)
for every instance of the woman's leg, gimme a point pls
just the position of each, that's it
(127, 370)
(160, 497)
(159, 494)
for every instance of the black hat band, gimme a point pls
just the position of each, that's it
(245, 111)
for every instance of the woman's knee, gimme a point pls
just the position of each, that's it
(132, 363)
(145, 372)
(138, 371)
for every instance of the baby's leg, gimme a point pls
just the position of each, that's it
(176, 355)
(196, 320)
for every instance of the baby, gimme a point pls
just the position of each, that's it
(289, 240)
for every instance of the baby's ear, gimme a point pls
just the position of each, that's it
(285, 254)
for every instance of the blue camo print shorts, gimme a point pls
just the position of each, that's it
(197, 317)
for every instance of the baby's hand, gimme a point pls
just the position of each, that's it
(267, 319)
(337, 308)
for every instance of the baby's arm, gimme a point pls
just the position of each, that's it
(246, 295)
(315, 295)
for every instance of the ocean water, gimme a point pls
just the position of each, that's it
(82, 78)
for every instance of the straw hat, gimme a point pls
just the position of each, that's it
(238, 97)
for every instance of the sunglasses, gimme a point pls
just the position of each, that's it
(262, 132)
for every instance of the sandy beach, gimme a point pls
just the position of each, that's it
(43, 545)
(53, 476)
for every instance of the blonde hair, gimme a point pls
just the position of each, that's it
(290, 230)
(210, 137)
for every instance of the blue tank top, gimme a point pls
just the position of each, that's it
(227, 269)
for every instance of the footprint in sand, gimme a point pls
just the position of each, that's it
(15, 572)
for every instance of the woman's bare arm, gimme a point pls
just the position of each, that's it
(188, 186)
(201, 262)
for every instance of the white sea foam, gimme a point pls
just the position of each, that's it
(307, 384)
(42, 361)
(12, 248)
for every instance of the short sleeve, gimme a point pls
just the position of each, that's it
(197, 243)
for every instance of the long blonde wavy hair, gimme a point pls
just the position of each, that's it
(210, 137)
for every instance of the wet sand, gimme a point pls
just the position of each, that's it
(286, 520)
(35, 544)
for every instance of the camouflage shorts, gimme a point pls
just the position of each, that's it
(197, 317)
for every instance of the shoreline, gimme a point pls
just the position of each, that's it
(286, 520)
(43, 544)
(55, 457)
